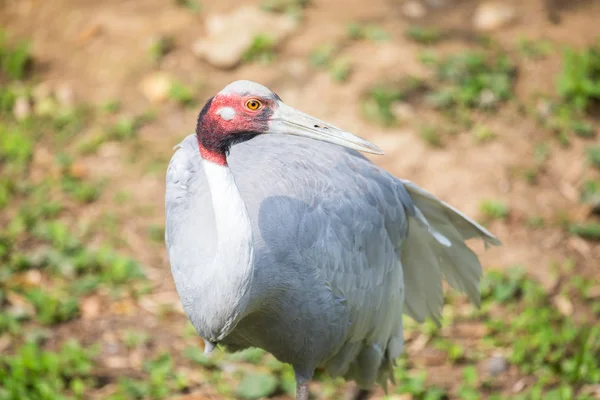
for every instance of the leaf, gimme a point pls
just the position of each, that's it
(257, 385)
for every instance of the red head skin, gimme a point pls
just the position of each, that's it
(218, 130)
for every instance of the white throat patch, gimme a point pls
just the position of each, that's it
(227, 113)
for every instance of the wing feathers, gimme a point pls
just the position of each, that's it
(434, 249)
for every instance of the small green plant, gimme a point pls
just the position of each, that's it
(373, 32)
(257, 385)
(494, 209)
(483, 134)
(340, 69)
(593, 156)
(379, 100)
(181, 94)
(534, 49)
(431, 136)
(290, 7)
(192, 5)
(261, 50)
(471, 80)
(160, 381)
(322, 55)
(32, 373)
(535, 221)
(579, 80)
(590, 230)
(590, 191)
(14, 61)
(160, 47)
(156, 233)
(53, 307)
(422, 34)
(133, 338)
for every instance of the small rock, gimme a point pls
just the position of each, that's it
(403, 111)
(5, 342)
(20, 307)
(224, 45)
(46, 106)
(116, 362)
(22, 108)
(490, 16)
(519, 385)
(497, 365)
(89, 32)
(564, 305)
(42, 91)
(413, 9)
(65, 95)
(78, 170)
(90, 307)
(403, 396)
(156, 86)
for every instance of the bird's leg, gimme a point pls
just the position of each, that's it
(303, 377)
(362, 394)
(302, 390)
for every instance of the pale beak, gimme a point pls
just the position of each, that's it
(289, 121)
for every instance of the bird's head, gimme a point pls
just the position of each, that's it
(245, 109)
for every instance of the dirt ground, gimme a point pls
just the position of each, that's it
(100, 49)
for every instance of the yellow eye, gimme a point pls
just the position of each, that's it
(253, 104)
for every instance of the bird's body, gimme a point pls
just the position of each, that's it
(311, 252)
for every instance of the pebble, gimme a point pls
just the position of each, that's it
(90, 307)
(225, 43)
(497, 365)
(64, 95)
(490, 16)
(42, 91)
(403, 111)
(22, 108)
(413, 9)
(156, 86)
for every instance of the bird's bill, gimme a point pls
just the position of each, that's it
(289, 121)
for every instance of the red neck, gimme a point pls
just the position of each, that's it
(213, 156)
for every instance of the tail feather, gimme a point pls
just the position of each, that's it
(435, 249)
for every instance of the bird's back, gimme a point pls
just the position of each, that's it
(330, 231)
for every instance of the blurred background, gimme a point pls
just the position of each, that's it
(493, 106)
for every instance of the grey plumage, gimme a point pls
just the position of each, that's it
(341, 250)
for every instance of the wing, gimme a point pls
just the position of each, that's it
(435, 249)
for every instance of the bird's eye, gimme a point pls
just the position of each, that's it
(253, 104)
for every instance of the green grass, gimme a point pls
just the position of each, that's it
(431, 135)
(36, 374)
(262, 49)
(192, 5)
(293, 8)
(471, 80)
(372, 32)
(15, 59)
(378, 101)
(579, 80)
(63, 242)
(494, 209)
(534, 49)
(589, 230)
(159, 47)
(181, 94)
(593, 156)
(324, 57)
(423, 34)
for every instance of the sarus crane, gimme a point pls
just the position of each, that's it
(282, 236)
